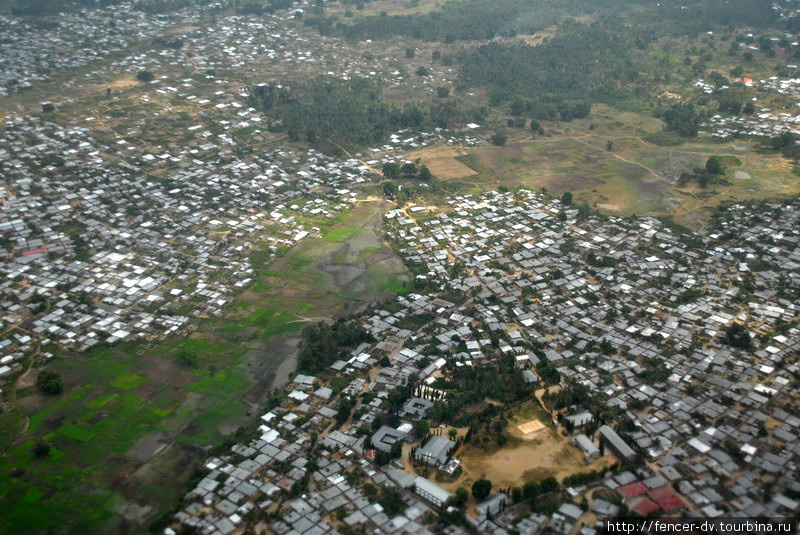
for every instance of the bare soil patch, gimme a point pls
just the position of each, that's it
(441, 161)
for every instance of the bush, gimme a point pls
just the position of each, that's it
(42, 449)
(49, 382)
(481, 488)
(499, 139)
(145, 76)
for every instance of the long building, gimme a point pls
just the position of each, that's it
(618, 446)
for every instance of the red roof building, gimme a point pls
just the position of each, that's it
(645, 507)
(632, 489)
(667, 499)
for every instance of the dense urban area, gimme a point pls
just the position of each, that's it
(397, 266)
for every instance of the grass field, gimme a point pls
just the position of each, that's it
(129, 428)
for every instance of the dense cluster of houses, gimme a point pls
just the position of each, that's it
(33, 51)
(108, 239)
(625, 306)
(118, 213)
(763, 122)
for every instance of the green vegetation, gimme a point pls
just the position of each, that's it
(49, 382)
(141, 411)
(333, 114)
(481, 489)
(457, 20)
(594, 62)
(323, 344)
(736, 335)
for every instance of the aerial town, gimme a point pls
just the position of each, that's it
(708, 423)
(484, 317)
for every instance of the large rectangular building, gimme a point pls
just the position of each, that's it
(617, 446)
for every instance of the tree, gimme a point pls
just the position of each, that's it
(425, 173)
(714, 165)
(48, 107)
(410, 53)
(397, 450)
(530, 490)
(736, 335)
(442, 92)
(145, 76)
(42, 449)
(562, 215)
(421, 428)
(408, 169)
(343, 412)
(609, 145)
(422, 71)
(481, 489)
(498, 138)
(566, 198)
(461, 497)
(548, 484)
(391, 170)
(49, 382)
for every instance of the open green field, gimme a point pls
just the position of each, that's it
(134, 419)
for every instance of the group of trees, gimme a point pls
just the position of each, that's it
(49, 382)
(467, 385)
(324, 344)
(406, 170)
(463, 20)
(333, 114)
(559, 78)
(713, 171)
(683, 118)
(736, 335)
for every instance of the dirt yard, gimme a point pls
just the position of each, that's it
(534, 451)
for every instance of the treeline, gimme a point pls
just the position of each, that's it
(499, 380)
(691, 18)
(324, 344)
(470, 19)
(259, 8)
(460, 20)
(333, 114)
(562, 76)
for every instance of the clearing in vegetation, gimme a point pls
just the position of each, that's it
(524, 458)
(620, 163)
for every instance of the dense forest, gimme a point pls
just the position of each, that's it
(693, 17)
(487, 19)
(559, 78)
(333, 114)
